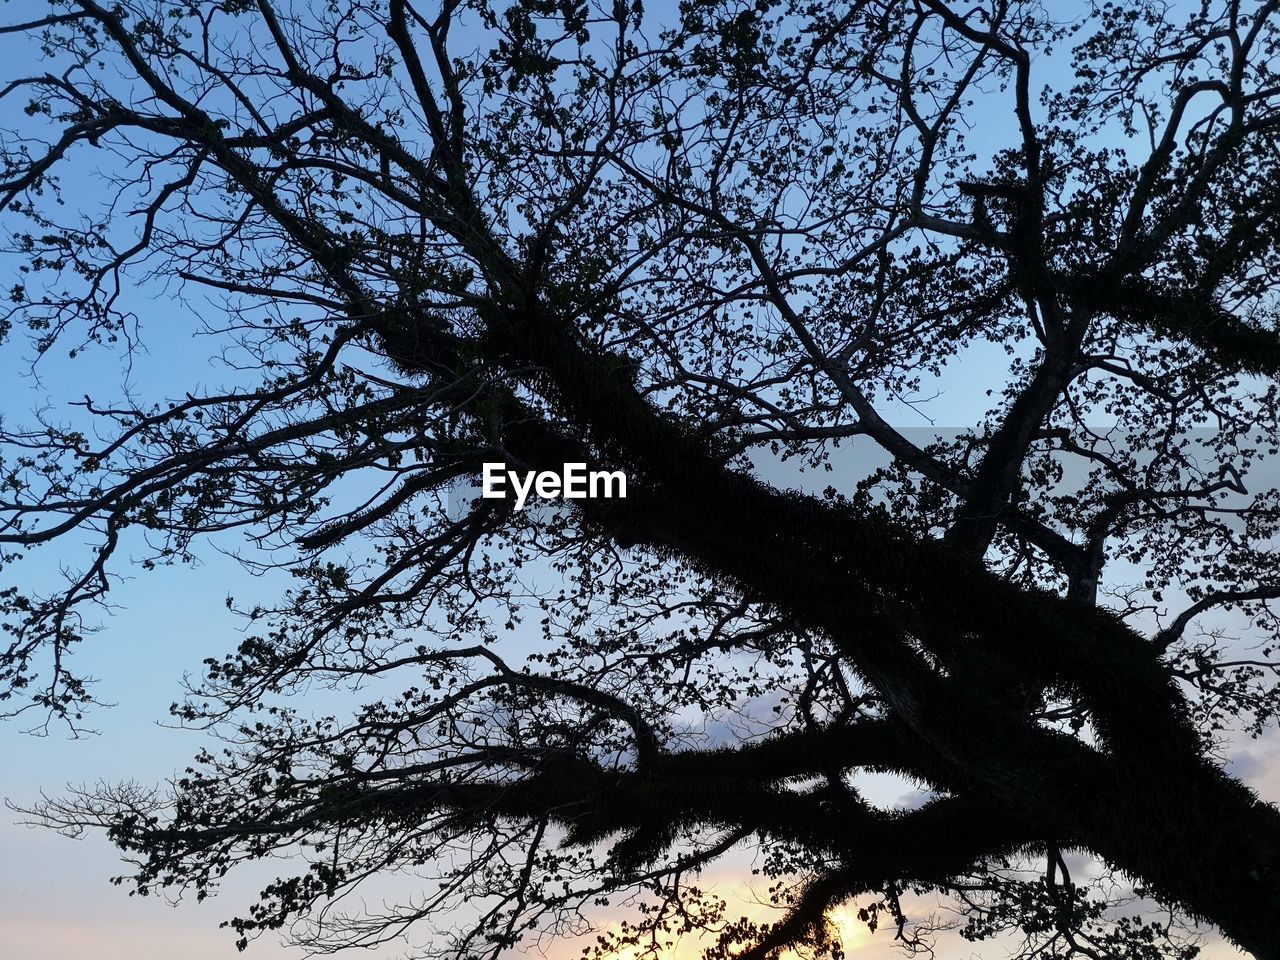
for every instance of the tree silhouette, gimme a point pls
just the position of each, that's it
(684, 245)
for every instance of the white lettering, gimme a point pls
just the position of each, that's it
(575, 481)
(548, 485)
(494, 474)
(609, 481)
(522, 490)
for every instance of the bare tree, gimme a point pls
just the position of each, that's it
(561, 232)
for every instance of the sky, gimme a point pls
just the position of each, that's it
(56, 902)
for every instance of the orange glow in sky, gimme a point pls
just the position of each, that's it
(743, 901)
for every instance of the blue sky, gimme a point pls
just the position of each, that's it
(55, 901)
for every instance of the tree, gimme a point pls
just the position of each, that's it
(681, 246)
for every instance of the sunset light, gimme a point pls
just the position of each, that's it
(743, 899)
(639, 479)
